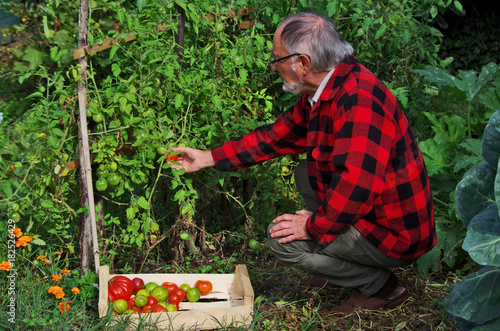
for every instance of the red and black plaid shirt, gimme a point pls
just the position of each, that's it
(362, 159)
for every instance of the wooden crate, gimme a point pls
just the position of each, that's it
(229, 304)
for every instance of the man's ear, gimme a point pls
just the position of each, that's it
(305, 64)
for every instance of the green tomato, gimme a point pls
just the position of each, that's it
(171, 307)
(140, 134)
(193, 294)
(120, 306)
(141, 300)
(219, 26)
(41, 88)
(148, 113)
(150, 123)
(14, 207)
(89, 113)
(159, 293)
(150, 286)
(170, 5)
(101, 184)
(113, 179)
(113, 166)
(101, 173)
(184, 236)
(15, 216)
(98, 118)
(254, 244)
(143, 292)
(161, 150)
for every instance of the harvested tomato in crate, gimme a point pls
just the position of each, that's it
(228, 303)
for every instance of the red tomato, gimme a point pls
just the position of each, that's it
(171, 158)
(174, 299)
(119, 287)
(204, 286)
(131, 302)
(158, 309)
(152, 301)
(147, 309)
(138, 284)
(180, 292)
(137, 310)
(171, 287)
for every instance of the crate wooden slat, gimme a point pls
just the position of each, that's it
(229, 303)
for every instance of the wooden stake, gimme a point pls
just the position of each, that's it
(88, 222)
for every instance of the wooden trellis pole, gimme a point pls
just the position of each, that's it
(88, 229)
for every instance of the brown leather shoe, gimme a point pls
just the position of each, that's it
(319, 282)
(358, 301)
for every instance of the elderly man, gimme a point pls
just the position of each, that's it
(364, 179)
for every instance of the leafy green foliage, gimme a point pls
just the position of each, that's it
(482, 237)
(475, 192)
(476, 301)
(467, 84)
(454, 149)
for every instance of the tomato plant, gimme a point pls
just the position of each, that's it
(204, 286)
(119, 287)
(184, 236)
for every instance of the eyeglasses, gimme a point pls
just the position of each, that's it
(273, 61)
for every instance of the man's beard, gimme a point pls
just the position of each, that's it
(294, 88)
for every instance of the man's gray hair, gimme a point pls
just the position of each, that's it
(316, 36)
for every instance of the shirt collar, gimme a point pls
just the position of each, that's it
(312, 100)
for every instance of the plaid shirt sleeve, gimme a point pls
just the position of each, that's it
(286, 136)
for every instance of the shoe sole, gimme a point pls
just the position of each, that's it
(397, 297)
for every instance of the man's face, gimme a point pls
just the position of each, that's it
(286, 68)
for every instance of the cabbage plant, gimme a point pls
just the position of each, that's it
(475, 302)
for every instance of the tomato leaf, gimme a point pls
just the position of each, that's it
(143, 203)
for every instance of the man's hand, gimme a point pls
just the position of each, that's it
(291, 227)
(193, 160)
